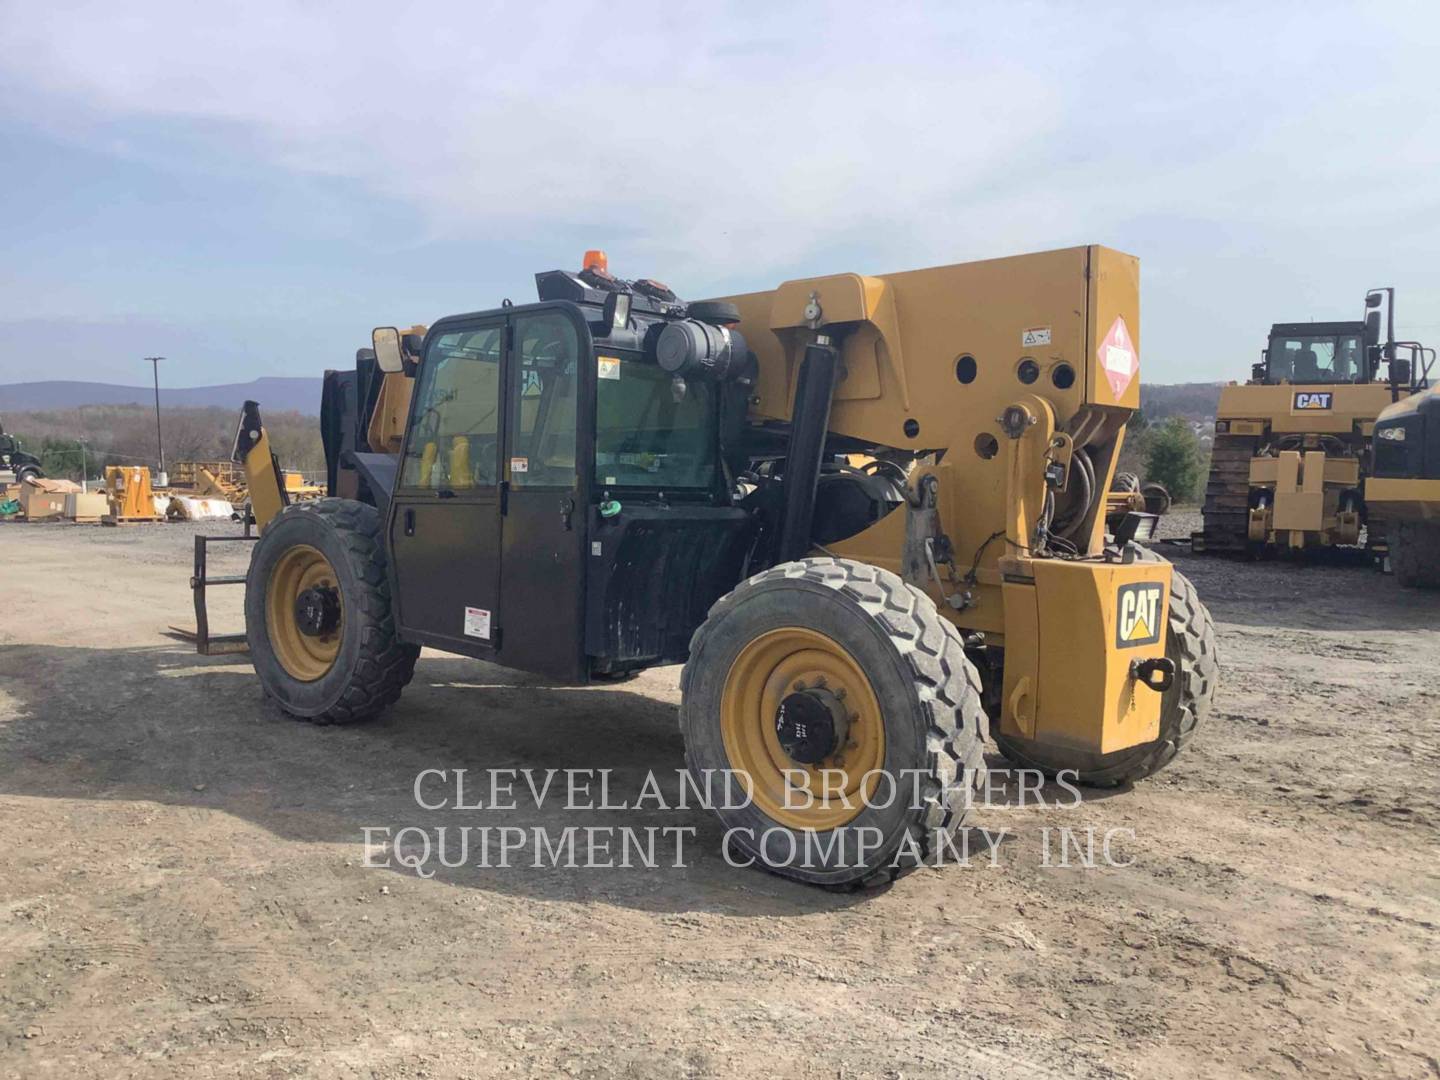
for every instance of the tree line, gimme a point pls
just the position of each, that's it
(100, 435)
(1169, 452)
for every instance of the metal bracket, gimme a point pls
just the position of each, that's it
(927, 547)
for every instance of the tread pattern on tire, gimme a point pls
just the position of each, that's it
(1415, 553)
(948, 684)
(1199, 672)
(386, 665)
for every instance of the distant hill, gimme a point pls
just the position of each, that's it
(1193, 401)
(276, 394)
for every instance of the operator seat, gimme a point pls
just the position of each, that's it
(1307, 366)
(1282, 365)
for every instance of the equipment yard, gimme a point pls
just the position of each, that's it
(184, 889)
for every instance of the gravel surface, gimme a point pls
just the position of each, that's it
(184, 890)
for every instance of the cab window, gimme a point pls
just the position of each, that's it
(543, 393)
(1304, 359)
(651, 430)
(454, 441)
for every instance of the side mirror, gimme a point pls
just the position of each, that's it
(1400, 372)
(616, 313)
(1373, 299)
(1372, 323)
(389, 355)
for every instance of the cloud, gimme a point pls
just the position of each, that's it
(726, 145)
(705, 134)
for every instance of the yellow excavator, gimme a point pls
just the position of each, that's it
(613, 478)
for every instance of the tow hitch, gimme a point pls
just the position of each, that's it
(1146, 671)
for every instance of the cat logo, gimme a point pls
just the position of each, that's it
(1313, 399)
(1139, 609)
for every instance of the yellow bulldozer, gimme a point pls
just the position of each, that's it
(613, 478)
(1288, 468)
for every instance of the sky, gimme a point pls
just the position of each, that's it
(247, 189)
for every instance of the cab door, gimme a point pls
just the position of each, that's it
(445, 516)
(548, 451)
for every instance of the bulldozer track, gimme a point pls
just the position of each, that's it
(1226, 510)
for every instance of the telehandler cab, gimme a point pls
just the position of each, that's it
(612, 479)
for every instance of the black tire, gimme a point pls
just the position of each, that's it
(28, 472)
(371, 666)
(1125, 481)
(1183, 708)
(719, 312)
(1415, 553)
(1157, 498)
(929, 695)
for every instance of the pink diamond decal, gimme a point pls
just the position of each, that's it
(1117, 357)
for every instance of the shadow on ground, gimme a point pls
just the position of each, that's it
(164, 725)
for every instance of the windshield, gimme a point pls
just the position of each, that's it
(648, 431)
(1316, 359)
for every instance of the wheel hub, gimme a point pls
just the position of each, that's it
(812, 725)
(317, 611)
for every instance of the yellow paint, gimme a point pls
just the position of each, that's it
(300, 568)
(1077, 687)
(768, 669)
(263, 481)
(1273, 408)
(1304, 500)
(460, 474)
(1404, 499)
(901, 337)
(130, 494)
(386, 430)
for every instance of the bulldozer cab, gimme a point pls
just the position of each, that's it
(1316, 353)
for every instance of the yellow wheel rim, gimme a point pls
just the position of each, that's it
(304, 656)
(768, 669)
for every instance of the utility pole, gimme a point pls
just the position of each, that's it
(159, 441)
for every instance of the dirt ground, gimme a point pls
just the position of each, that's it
(183, 888)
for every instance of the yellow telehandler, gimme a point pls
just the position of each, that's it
(613, 478)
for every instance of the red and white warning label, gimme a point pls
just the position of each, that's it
(1117, 357)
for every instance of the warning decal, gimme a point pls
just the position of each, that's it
(477, 623)
(1117, 358)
